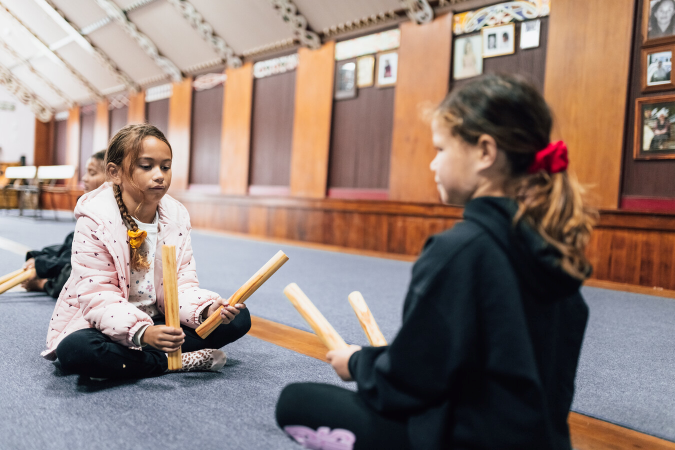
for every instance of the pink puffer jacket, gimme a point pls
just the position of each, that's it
(96, 293)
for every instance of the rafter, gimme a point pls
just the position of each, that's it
(88, 86)
(419, 11)
(117, 14)
(26, 96)
(59, 16)
(298, 23)
(205, 30)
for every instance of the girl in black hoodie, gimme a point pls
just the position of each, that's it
(493, 320)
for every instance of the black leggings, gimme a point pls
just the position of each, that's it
(329, 417)
(91, 353)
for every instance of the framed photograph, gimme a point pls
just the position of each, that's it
(658, 22)
(530, 32)
(365, 71)
(387, 69)
(654, 131)
(345, 80)
(468, 58)
(499, 40)
(657, 68)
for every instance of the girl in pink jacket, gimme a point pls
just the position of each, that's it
(109, 319)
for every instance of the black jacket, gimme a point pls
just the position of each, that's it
(488, 349)
(53, 263)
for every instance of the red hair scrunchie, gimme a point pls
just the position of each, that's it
(552, 159)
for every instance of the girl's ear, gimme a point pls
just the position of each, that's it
(113, 173)
(488, 151)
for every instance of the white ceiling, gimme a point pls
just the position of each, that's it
(55, 48)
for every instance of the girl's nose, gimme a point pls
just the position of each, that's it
(432, 166)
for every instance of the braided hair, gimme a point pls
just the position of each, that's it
(123, 150)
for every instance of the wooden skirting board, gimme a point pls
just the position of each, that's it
(587, 433)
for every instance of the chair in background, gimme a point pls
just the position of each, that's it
(25, 185)
(47, 177)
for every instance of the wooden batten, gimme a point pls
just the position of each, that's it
(178, 134)
(73, 142)
(236, 135)
(312, 123)
(101, 126)
(423, 81)
(136, 111)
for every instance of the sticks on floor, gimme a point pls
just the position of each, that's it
(366, 319)
(19, 277)
(244, 292)
(9, 276)
(171, 299)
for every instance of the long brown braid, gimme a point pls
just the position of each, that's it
(123, 151)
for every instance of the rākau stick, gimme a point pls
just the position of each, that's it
(171, 315)
(23, 276)
(9, 276)
(244, 292)
(366, 319)
(314, 318)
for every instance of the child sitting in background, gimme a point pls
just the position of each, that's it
(52, 264)
(109, 319)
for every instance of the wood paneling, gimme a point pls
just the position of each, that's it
(180, 113)
(136, 113)
(207, 123)
(655, 178)
(87, 124)
(586, 86)
(118, 119)
(312, 123)
(43, 154)
(272, 130)
(73, 140)
(236, 139)
(157, 114)
(60, 142)
(423, 81)
(101, 126)
(360, 148)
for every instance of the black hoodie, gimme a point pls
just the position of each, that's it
(488, 349)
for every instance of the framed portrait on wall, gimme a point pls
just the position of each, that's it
(658, 22)
(468, 58)
(499, 40)
(657, 68)
(387, 69)
(345, 80)
(530, 34)
(654, 131)
(365, 71)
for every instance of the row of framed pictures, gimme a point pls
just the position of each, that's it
(658, 22)
(654, 136)
(499, 40)
(380, 70)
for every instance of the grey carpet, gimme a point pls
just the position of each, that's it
(625, 373)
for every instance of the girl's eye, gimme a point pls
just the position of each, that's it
(166, 168)
(145, 167)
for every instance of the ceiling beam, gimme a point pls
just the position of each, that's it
(38, 106)
(118, 15)
(95, 93)
(419, 11)
(60, 18)
(297, 22)
(205, 30)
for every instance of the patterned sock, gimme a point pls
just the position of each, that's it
(207, 360)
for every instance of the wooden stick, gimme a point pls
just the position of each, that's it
(314, 318)
(9, 276)
(23, 276)
(244, 292)
(366, 319)
(171, 299)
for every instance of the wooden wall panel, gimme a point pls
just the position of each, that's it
(73, 140)
(423, 81)
(236, 138)
(586, 87)
(60, 142)
(272, 130)
(101, 126)
(43, 152)
(312, 124)
(206, 134)
(180, 113)
(360, 148)
(136, 113)
(118, 119)
(157, 114)
(87, 125)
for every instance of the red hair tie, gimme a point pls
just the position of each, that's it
(552, 159)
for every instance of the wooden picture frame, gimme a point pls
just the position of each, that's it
(386, 76)
(492, 46)
(365, 71)
(649, 126)
(345, 79)
(648, 41)
(650, 69)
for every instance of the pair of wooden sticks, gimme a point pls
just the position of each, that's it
(15, 278)
(324, 330)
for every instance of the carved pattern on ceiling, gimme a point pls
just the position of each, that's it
(502, 13)
(38, 106)
(298, 23)
(419, 11)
